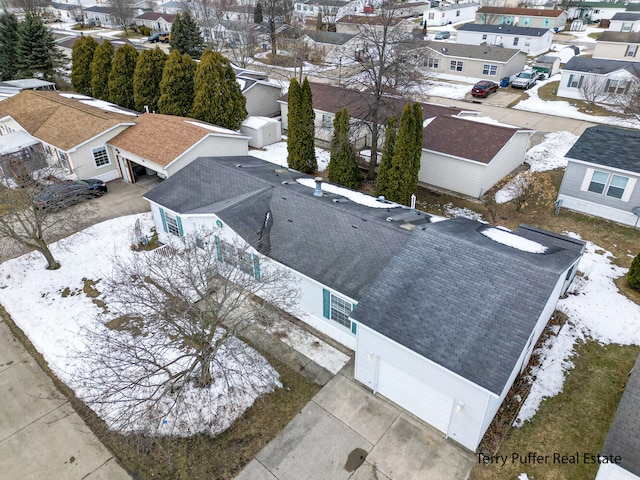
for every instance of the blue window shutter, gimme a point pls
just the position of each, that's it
(256, 267)
(218, 248)
(354, 327)
(164, 221)
(179, 226)
(326, 303)
(570, 80)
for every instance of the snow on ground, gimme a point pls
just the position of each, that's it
(277, 153)
(454, 91)
(53, 311)
(452, 211)
(597, 310)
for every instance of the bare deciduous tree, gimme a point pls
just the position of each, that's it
(530, 186)
(275, 13)
(209, 15)
(172, 340)
(593, 89)
(31, 197)
(34, 8)
(629, 101)
(123, 12)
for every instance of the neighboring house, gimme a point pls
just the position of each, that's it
(549, 64)
(618, 46)
(522, 17)
(100, 16)
(9, 88)
(468, 156)
(533, 41)
(445, 14)
(456, 61)
(448, 356)
(602, 174)
(65, 12)
(262, 96)
(356, 24)
(73, 129)
(173, 7)
(623, 442)
(163, 144)
(329, 99)
(595, 11)
(410, 9)
(625, 22)
(157, 22)
(329, 47)
(603, 80)
(309, 10)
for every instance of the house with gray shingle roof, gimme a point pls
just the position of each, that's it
(602, 174)
(622, 445)
(329, 47)
(618, 46)
(532, 41)
(442, 315)
(454, 61)
(603, 79)
(625, 22)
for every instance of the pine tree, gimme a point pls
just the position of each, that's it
(633, 276)
(384, 170)
(294, 101)
(121, 77)
(403, 175)
(100, 70)
(186, 36)
(257, 13)
(36, 50)
(81, 58)
(8, 43)
(176, 87)
(146, 79)
(343, 168)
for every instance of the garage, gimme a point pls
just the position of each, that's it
(419, 398)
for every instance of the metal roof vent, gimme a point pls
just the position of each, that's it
(318, 191)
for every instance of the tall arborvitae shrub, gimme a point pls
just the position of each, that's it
(343, 167)
(384, 170)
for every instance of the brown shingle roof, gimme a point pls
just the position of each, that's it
(532, 12)
(163, 138)
(59, 121)
(168, 17)
(482, 141)
(373, 20)
(619, 37)
(332, 99)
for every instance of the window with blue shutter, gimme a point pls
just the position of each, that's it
(326, 303)
(354, 327)
(218, 248)
(256, 267)
(164, 221)
(180, 231)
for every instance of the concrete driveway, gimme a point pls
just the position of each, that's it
(347, 433)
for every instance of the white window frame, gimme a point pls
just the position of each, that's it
(489, 69)
(433, 62)
(327, 121)
(515, 41)
(608, 184)
(172, 224)
(339, 310)
(456, 65)
(100, 154)
(575, 81)
(631, 50)
(617, 86)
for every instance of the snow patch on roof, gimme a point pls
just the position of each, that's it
(356, 197)
(75, 96)
(211, 127)
(513, 241)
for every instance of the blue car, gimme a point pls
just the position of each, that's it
(69, 192)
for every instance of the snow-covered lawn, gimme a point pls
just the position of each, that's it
(277, 153)
(54, 312)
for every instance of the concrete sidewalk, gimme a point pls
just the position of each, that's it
(41, 435)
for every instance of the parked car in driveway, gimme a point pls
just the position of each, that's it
(525, 79)
(484, 88)
(164, 37)
(442, 36)
(63, 194)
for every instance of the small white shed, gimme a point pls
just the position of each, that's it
(262, 131)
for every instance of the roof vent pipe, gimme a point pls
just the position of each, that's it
(318, 191)
(413, 202)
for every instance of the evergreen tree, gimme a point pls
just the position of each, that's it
(217, 96)
(146, 79)
(300, 146)
(186, 36)
(81, 58)
(121, 77)
(100, 70)
(8, 42)
(176, 87)
(257, 13)
(294, 101)
(343, 168)
(384, 170)
(36, 50)
(633, 276)
(403, 175)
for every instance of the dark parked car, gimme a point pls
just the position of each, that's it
(69, 192)
(163, 37)
(442, 35)
(483, 88)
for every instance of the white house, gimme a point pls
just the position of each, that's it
(522, 17)
(533, 41)
(100, 16)
(73, 129)
(618, 46)
(443, 356)
(262, 96)
(156, 21)
(602, 174)
(603, 80)
(163, 144)
(625, 22)
(445, 14)
(596, 11)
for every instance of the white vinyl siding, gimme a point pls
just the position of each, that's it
(100, 157)
(490, 70)
(610, 185)
(456, 66)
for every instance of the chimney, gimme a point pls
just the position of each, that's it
(318, 191)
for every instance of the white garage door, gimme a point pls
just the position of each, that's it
(414, 395)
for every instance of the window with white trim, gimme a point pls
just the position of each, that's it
(527, 42)
(431, 16)
(515, 41)
(617, 186)
(239, 257)
(610, 185)
(100, 156)
(327, 120)
(575, 81)
(598, 182)
(340, 311)
(617, 86)
(484, 36)
(631, 51)
(64, 160)
(172, 224)
(456, 66)
(626, 27)
(490, 70)
(432, 62)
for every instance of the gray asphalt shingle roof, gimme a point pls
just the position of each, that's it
(341, 245)
(601, 66)
(503, 29)
(624, 435)
(477, 52)
(611, 146)
(626, 16)
(464, 301)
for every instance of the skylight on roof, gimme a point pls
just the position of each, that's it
(514, 241)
